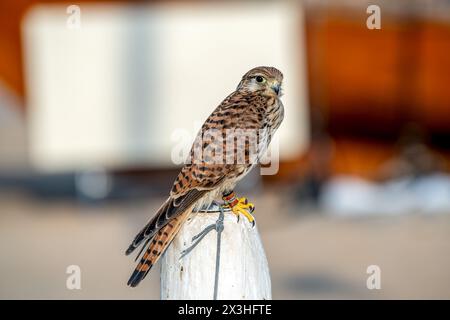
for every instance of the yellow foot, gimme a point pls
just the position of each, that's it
(240, 206)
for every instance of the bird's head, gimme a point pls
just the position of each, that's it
(266, 80)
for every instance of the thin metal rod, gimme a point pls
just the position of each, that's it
(219, 238)
(218, 226)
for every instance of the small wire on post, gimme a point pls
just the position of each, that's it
(234, 255)
(218, 226)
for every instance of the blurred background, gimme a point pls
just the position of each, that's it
(97, 97)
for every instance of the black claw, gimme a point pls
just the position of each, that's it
(253, 223)
(238, 218)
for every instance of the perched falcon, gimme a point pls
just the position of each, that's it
(217, 162)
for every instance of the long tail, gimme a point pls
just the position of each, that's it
(158, 244)
(170, 209)
(160, 231)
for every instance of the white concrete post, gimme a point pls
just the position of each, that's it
(243, 272)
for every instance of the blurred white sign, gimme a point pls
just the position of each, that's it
(113, 90)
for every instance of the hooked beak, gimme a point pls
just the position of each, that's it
(276, 87)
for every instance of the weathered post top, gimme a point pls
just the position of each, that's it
(243, 271)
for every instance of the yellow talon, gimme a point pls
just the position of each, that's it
(245, 208)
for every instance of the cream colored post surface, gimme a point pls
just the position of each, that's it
(243, 269)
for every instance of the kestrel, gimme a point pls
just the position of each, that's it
(217, 162)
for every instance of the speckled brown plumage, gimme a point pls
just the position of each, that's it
(254, 108)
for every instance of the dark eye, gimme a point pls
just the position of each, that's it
(259, 79)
